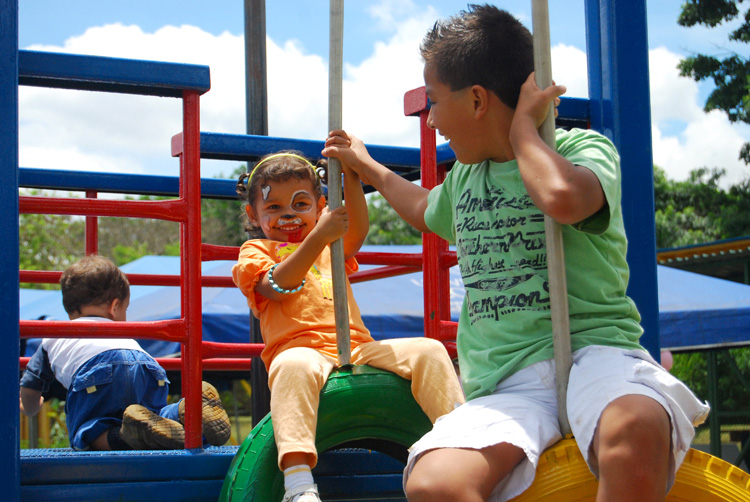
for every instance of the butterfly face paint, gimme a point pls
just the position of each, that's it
(289, 210)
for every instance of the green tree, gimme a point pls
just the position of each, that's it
(687, 211)
(731, 74)
(697, 211)
(48, 241)
(223, 220)
(386, 226)
(126, 239)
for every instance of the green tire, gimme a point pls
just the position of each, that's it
(359, 406)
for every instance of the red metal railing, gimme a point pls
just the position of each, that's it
(185, 210)
(437, 258)
(196, 354)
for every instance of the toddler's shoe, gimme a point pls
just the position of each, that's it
(304, 493)
(142, 429)
(216, 426)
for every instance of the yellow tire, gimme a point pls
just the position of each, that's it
(563, 476)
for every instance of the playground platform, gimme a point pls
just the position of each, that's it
(64, 475)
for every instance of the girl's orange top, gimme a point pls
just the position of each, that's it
(302, 319)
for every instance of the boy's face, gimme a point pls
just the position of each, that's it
(286, 211)
(452, 114)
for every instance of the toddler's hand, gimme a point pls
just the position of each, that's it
(332, 225)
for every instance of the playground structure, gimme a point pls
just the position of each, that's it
(618, 106)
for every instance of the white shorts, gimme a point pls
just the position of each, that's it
(523, 411)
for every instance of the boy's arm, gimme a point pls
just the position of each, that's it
(409, 200)
(31, 401)
(565, 192)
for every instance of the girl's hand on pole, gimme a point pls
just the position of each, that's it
(332, 225)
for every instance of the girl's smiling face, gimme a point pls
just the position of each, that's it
(286, 211)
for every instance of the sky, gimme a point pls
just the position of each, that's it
(131, 134)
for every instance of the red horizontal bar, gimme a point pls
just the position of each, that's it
(448, 259)
(381, 273)
(52, 277)
(172, 330)
(448, 331)
(371, 258)
(171, 210)
(217, 364)
(217, 349)
(210, 252)
(39, 276)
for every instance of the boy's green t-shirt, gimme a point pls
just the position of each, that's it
(505, 324)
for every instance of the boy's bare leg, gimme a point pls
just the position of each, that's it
(632, 448)
(461, 475)
(101, 443)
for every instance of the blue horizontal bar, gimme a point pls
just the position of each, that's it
(96, 73)
(245, 147)
(140, 184)
(574, 109)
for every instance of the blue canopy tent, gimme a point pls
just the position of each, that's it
(695, 310)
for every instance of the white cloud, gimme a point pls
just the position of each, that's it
(374, 90)
(132, 132)
(569, 69)
(684, 136)
(71, 156)
(98, 131)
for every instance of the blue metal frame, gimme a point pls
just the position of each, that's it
(618, 106)
(95, 73)
(9, 436)
(617, 50)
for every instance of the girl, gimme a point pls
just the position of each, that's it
(286, 276)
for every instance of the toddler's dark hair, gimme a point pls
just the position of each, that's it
(279, 166)
(483, 46)
(92, 280)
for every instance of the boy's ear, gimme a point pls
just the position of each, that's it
(251, 215)
(480, 97)
(112, 307)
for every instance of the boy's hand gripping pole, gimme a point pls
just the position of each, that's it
(553, 232)
(335, 75)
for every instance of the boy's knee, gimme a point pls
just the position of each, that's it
(433, 489)
(635, 429)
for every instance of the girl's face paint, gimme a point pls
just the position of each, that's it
(265, 190)
(288, 211)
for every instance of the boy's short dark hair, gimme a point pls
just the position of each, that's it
(483, 46)
(93, 280)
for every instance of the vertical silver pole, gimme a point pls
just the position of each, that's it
(552, 230)
(335, 76)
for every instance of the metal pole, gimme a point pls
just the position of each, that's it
(256, 95)
(256, 116)
(335, 75)
(552, 229)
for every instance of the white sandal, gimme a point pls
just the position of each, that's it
(302, 493)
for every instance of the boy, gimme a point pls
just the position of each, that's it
(635, 425)
(116, 393)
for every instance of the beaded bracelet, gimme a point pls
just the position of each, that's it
(278, 288)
